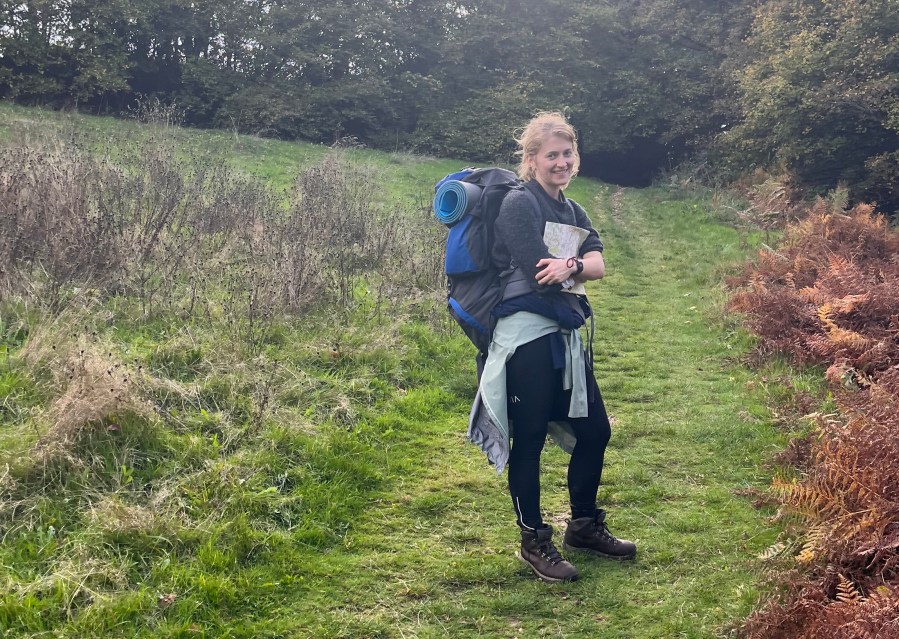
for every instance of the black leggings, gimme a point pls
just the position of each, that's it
(535, 398)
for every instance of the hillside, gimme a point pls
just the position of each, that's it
(308, 476)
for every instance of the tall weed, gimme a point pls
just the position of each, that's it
(186, 234)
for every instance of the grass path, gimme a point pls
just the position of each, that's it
(433, 554)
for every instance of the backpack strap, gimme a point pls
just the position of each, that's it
(588, 311)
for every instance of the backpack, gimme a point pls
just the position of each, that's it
(467, 202)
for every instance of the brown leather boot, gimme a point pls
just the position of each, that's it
(539, 553)
(590, 534)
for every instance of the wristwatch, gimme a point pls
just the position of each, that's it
(576, 262)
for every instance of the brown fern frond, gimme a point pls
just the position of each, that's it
(847, 592)
(813, 545)
(824, 313)
(782, 488)
(814, 295)
(814, 500)
(878, 356)
(851, 340)
(837, 263)
(848, 303)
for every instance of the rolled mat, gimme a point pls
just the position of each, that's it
(454, 199)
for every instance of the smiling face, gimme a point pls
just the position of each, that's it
(553, 164)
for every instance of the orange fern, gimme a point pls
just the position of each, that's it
(830, 295)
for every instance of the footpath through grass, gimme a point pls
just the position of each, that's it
(324, 489)
(433, 555)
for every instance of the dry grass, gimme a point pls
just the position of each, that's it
(87, 382)
(188, 235)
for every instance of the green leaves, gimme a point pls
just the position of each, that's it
(808, 86)
(819, 95)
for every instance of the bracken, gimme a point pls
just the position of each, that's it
(830, 295)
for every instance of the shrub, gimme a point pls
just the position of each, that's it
(191, 236)
(830, 296)
(829, 293)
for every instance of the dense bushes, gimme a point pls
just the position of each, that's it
(783, 84)
(818, 94)
(411, 74)
(830, 296)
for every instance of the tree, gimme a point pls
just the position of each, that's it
(820, 96)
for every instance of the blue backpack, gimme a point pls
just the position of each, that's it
(468, 202)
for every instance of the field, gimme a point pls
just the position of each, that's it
(308, 475)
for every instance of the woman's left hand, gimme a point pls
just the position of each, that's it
(553, 271)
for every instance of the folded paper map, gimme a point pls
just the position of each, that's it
(564, 240)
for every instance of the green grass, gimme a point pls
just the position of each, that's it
(314, 492)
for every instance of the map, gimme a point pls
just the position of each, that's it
(564, 240)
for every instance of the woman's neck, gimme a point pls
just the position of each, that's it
(552, 190)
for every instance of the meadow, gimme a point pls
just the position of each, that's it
(202, 439)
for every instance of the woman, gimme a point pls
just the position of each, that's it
(537, 379)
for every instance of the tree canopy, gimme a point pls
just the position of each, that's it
(820, 95)
(801, 85)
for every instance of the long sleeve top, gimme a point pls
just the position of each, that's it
(519, 231)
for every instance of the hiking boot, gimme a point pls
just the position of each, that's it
(590, 534)
(539, 553)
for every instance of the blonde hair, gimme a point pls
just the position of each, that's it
(543, 126)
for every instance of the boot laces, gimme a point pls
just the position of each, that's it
(602, 529)
(549, 552)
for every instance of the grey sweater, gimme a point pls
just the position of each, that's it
(519, 231)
